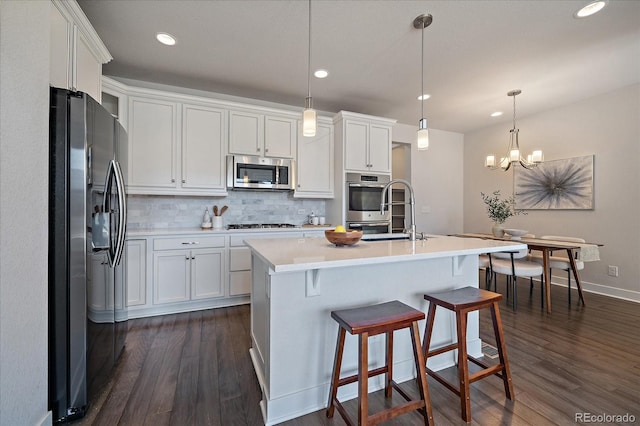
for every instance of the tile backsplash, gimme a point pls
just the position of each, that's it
(166, 212)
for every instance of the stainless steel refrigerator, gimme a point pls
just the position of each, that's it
(87, 231)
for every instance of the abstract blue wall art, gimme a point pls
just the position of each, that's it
(565, 184)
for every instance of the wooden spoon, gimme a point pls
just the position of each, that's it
(215, 210)
(224, 209)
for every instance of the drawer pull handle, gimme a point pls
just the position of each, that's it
(191, 242)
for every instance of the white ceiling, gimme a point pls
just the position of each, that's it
(475, 52)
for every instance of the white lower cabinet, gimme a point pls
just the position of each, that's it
(182, 273)
(239, 271)
(169, 274)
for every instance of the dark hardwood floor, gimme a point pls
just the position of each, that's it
(194, 369)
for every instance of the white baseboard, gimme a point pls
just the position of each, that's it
(618, 293)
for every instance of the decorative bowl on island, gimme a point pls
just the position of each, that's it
(516, 234)
(347, 238)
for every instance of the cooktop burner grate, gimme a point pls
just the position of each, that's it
(259, 225)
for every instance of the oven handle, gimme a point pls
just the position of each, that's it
(365, 185)
(368, 224)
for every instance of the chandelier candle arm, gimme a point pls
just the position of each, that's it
(309, 116)
(513, 155)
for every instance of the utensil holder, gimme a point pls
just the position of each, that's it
(217, 222)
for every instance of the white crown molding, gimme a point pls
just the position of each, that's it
(72, 11)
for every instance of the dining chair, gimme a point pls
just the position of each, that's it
(563, 263)
(515, 264)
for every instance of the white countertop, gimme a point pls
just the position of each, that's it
(224, 231)
(301, 254)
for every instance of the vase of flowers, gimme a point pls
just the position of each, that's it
(499, 210)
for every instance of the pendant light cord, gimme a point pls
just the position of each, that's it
(421, 75)
(309, 59)
(514, 112)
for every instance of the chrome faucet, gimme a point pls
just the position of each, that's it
(412, 203)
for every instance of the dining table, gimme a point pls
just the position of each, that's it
(546, 247)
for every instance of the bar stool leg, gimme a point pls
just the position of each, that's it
(463, 365)
(389, 360)
(363, 379)
(421, 372)
(335, 377)
(431, 315)
(502, 350)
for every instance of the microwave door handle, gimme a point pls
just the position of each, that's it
(122, 213)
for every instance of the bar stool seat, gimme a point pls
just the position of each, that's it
(462, 301)
(370, 321)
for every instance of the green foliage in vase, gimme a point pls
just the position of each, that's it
(498, 209)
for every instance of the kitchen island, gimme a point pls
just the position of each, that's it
(297, 282)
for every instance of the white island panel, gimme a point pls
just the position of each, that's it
(296, 283)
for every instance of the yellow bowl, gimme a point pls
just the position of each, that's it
(348, 238)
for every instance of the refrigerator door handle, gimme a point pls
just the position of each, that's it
(114, 175)
(122, 211)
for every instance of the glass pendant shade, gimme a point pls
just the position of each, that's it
(309, 122)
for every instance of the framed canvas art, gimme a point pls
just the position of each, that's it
(558, 184)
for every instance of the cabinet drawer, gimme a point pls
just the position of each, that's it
(191, 242)
(239, 259)
(238, 241)
(240, 283)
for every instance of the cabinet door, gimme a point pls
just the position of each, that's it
(60, 49)
(246, 133)
(315, 164)
(152, 144)
(207, 273)
(171, 270)
(203, 136)
(136, 272)
(279, 137)
(88, 69)
(380, 148)
(356, 153)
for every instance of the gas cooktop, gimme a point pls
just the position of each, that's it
(259, 225)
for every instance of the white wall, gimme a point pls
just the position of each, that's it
(607, 126)
(24, 100)
(437, 179)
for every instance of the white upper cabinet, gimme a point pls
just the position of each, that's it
(253, 133)
(175, 148)
(314, 167)
(153, 140)
(366, 142)
(77, 53)
(203, 137)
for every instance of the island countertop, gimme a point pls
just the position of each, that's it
(301, 254)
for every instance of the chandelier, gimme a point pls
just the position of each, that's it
(513, 155)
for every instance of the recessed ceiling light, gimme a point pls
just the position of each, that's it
(496, 114)
(166, 38)
(424, 97)
(321, 73)
(590, 9)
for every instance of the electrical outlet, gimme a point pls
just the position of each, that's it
(613, 271)
(301, 211)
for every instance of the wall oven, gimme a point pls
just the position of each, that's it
(250, 172)
(363, 193)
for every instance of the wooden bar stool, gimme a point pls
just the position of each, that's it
(369, 321)
(462, 301)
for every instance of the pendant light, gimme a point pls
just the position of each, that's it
(512, 155)
(421, 22)
(309, 116)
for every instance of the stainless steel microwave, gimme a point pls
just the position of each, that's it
(250, 172)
